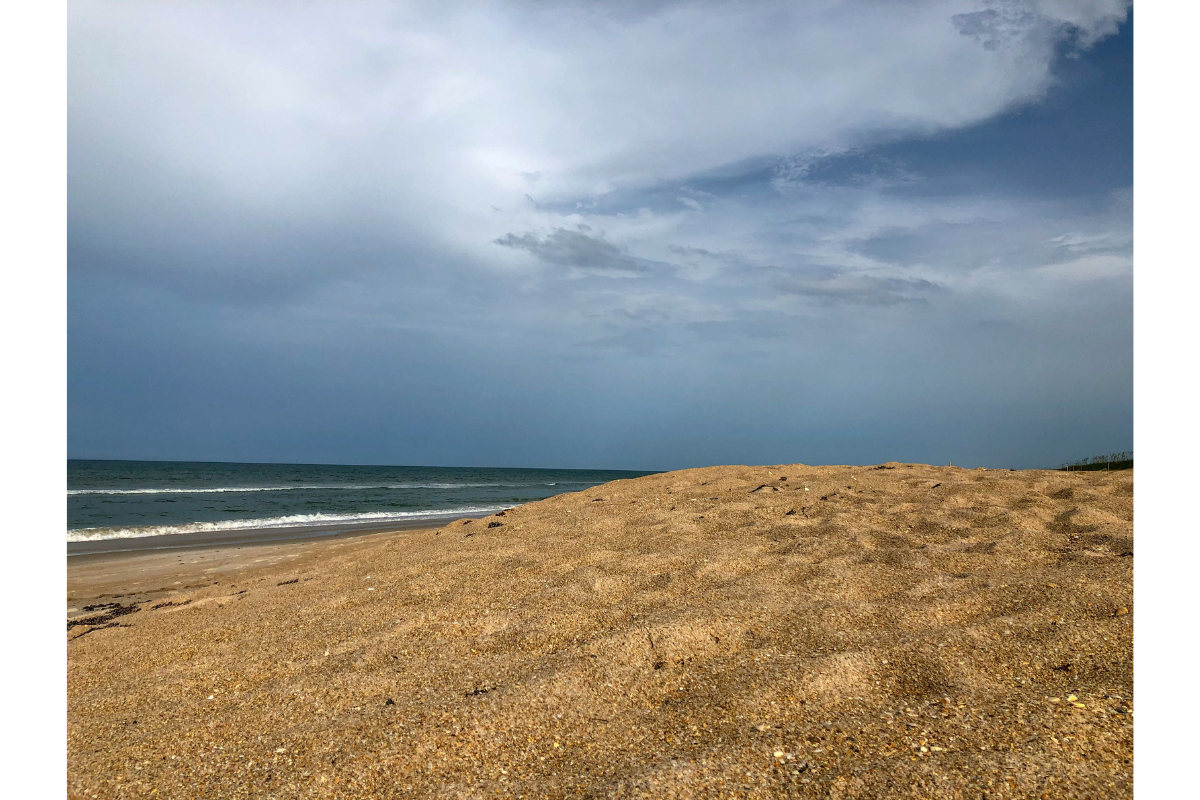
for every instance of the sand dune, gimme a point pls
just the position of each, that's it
(894, 631)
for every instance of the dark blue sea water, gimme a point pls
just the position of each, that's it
(121, 499)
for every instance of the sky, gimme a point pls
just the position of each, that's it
(629, 235)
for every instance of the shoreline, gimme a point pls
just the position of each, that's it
(241, 537)
(141, 576)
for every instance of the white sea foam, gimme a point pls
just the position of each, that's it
(359, 487)
(291, 521)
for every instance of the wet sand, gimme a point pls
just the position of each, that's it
(150, 573)
(904, 631)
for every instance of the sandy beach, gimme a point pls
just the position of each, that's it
(848, 632)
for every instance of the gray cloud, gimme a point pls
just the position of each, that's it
(998, 27)
(576, 249)
(739, 329)
(957, 243)
(732, 259)
(1005, 23)
(1009, 240)
(866, 290)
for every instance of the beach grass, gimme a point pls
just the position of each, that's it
(1107, 463)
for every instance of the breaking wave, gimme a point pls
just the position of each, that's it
(290, 521)
(353, 487)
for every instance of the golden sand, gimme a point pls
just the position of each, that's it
(899, 631)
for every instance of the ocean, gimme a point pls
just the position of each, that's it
(109, 500)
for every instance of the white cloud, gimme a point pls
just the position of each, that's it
(398, 143)
(435, 116)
